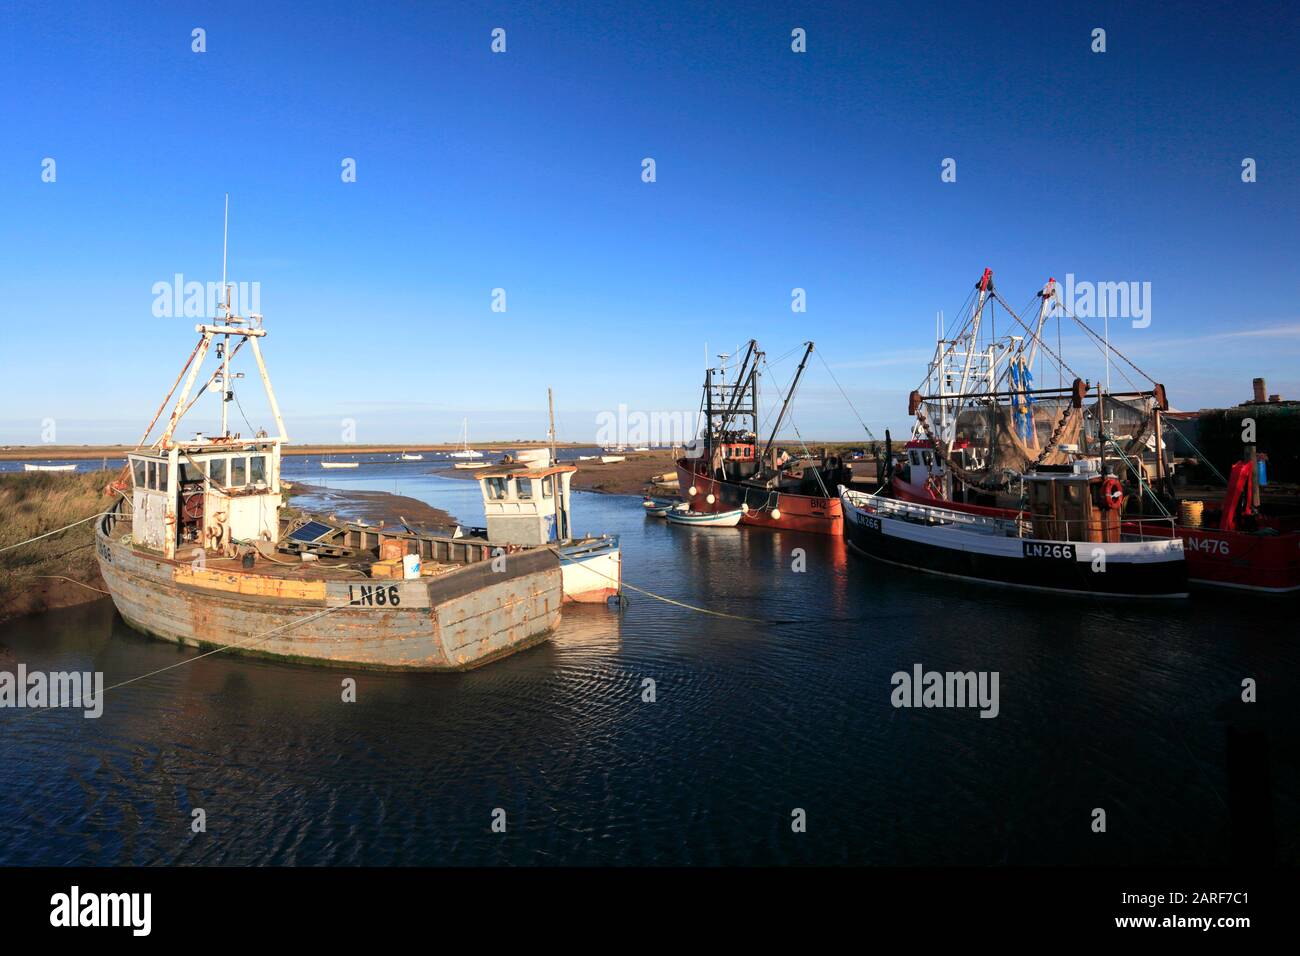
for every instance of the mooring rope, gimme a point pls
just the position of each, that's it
(704, 610)
(216, 650)
(60, 577)
(101, 514)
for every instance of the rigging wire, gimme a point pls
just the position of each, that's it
(846, 397)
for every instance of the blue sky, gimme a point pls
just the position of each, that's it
(522, 171)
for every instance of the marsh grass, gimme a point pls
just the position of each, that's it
(32, 503)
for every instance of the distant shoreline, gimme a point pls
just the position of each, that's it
(87, 452)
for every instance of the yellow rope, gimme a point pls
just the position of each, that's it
(659, 597)
(60, 577)
(55, 531)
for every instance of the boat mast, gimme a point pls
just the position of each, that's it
(550, 403)
(786, 404)
(224, 348)
(985, 288)
(1046, 304)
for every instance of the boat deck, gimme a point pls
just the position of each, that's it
(964, 522)
(282, 565)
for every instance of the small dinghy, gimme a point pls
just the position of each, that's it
(339, 464)
(611, 459)
(697, 519)
(27, 467)
(657, 508)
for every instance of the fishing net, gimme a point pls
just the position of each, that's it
(1004, 439)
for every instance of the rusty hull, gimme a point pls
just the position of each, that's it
(464, 618)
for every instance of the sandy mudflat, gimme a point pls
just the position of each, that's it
(372, 507)
(630, 477)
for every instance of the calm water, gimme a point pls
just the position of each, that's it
(1106, 705)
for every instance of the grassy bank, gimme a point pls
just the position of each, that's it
(32, 577)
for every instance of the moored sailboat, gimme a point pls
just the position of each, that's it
(465, 451)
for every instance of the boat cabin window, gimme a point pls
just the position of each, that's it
(238, 472)
(190, 472)
(1040, 497)
(257, 469)
(138, 472)
(928, 457)
(546, 487)
(525, 489)
(916, 457)
(217, 471)
(496, 488)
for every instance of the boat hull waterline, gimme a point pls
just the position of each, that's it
(777, 510)
(697, 519)
(937, 540)
(593, 570)
(1215, 558)
(460, 620)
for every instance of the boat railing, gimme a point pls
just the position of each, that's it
(116, 514)
(1149, 528)
(914, 511)
(1134, 529)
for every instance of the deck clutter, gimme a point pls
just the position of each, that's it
(989, 442)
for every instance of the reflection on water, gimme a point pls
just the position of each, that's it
(783, 703)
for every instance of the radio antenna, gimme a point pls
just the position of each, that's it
(225, 236)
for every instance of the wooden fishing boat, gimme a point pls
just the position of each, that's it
(728, 472)
(196, 552)
(344, 609)
(705, 519)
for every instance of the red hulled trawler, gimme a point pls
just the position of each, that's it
(728, 471)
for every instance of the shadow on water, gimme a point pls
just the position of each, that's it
(784, 704)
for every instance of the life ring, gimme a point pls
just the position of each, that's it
(1112, 493)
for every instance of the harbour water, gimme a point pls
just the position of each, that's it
(778, 702)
